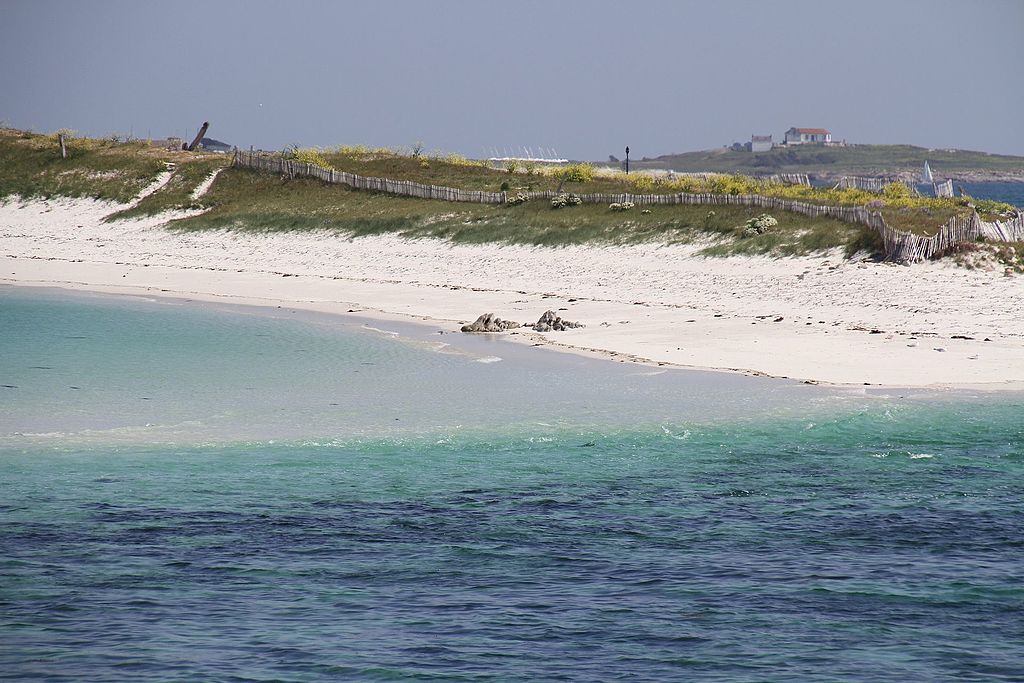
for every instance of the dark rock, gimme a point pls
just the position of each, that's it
(551, 322)
(489, 322)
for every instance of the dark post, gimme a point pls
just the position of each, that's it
(627, 160)
(199, 137)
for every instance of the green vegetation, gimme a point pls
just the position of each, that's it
(177, 193)
(245, 200)
(308, 155)
(252, 201)
(837, 161)
(32, 167)
(576, 173)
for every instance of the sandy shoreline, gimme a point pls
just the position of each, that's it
(818, 319)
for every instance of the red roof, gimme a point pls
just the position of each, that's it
(812, 131)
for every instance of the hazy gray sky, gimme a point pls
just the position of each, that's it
(585, 78)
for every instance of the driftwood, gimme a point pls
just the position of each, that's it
(199, 137)
(63, 147)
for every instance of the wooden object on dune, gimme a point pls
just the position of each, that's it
(199, 136)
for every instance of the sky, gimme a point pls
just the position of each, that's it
(474, 77)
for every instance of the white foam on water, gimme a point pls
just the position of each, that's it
(389, 333)
(678, 437)
(487, 359)
(917, 456)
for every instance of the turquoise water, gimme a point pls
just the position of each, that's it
(543, 517)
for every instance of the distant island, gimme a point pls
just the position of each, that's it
(828, 161)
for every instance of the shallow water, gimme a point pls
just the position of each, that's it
(97, 369)
(619, 524)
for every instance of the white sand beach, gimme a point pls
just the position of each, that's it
(820, 319)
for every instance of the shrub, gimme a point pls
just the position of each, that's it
(511, 166)
(352, 150)
(759, 225)
(504, 186)
(896, 190)
(518, 199)
(577, 173)
(531, 167)
(641, 184)
(312, 156)
(456, 159)
(684, 184)
(621, 206)
(564, 200)
(733, 184)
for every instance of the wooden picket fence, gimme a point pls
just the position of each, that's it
(899, 245)
(858, 183)
(943, 188)
(908, 247)
(789, 179)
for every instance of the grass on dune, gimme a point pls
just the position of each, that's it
(32, 167)
(456, 171)
(252, 201)
(177, 193)
(921, 215)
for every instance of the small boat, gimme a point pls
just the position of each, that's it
(926, 174)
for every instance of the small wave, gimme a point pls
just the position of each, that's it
(390, 333)
(487, 359)
(912, 456)
(678, 437)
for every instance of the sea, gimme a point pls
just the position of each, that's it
(1000, 191)
(1011, 193)
(200, 492)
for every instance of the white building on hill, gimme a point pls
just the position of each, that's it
(807, 136)
(760, 143)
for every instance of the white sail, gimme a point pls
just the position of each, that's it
(926, 174)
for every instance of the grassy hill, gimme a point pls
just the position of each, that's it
(240, 199)
(849, 160)
(31, 166)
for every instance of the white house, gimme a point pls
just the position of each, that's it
(760, 143)
(805, 136)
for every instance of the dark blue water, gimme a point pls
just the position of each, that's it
(1011, 193)
(763, 553)
(880, 540)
